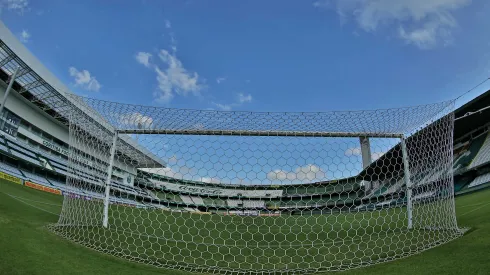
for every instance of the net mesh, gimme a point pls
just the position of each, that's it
(249, 192)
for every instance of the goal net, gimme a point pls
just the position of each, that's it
(258, 192)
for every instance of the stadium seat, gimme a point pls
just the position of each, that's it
(11, 170)
(466, 158)
(480, 180)
(483, 155)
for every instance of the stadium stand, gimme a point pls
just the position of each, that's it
(188, 209)
(41, 132)
(383, 189)
(56, 182)
(197, 200)
(62, 171)
(234, 203)
(482, 179)
(36, 178)
(9, 169)
(20, 149)
(483, 155)
(467, 156)
(3, 147)
(461, 182)
(22, 156)
(253, 204)
(187, 200)
(214, 202)
(424, 195)
(66, 188)
(169, 197)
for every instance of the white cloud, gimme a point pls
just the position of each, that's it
(322, 4)
(307, 173)
(224, 107)
(19, 6)
(173, 170)
(181, 173)
(173, 43)
(179, 78)
(137, 120)
(198, 126)
(164, 93)
(143, 58)
(376, 155)
(25, 36)
(427, 36)
(173, 160)
(241, 100)
(209, 180)
(244, 98)
(174, 79)
(178, 173)
(354, 151)
(423, 23)
(220, 79)
(84, 79)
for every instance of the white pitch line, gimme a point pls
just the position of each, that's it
(17, 198)
(475, 204)
(24, 199)
(488, 203)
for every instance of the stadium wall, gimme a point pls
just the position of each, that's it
(10, 178)
(7, 177)
(42, 188)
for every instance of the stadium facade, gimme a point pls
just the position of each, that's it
(34, 146)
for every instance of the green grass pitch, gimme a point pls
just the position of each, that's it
(27, 247)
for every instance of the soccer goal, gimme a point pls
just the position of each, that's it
(258, 192)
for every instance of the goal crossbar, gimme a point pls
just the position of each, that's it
(206, 132)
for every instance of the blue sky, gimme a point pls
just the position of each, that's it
(261, 55)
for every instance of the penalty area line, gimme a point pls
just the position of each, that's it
(39, 208)
(478, 208)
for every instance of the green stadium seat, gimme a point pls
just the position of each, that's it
(466, 158)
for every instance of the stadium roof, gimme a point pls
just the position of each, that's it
(468, 124)
(41, 87)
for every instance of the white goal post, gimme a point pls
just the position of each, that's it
(258, 192)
